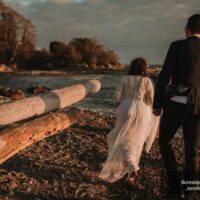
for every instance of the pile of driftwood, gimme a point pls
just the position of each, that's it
(17, 137)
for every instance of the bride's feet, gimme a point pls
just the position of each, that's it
(132, 179)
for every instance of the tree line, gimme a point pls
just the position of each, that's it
(17, 47)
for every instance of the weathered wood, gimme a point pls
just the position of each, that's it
(37, 105)
(14, 139)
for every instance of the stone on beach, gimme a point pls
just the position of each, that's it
(14, 94)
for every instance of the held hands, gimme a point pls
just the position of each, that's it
(117, 104)
(157, 111)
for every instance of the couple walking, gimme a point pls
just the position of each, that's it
(138, 116)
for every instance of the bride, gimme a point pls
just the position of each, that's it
(134, 126)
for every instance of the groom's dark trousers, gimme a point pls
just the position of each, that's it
(181, 67)
(176, 115)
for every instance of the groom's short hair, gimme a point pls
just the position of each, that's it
(193, 24)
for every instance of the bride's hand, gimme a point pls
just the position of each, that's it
(117, 104)
(157, 112)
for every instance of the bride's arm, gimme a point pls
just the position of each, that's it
(118, 92)
(150, 92)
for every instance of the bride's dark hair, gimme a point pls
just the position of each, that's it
(138, 66)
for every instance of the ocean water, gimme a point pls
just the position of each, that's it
(101, 102)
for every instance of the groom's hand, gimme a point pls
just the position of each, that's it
(117, 104)
(157, 111)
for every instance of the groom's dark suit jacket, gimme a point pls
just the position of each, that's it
(181, 66)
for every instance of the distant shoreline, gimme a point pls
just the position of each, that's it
(71, 71)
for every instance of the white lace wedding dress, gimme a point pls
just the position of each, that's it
(135, 125)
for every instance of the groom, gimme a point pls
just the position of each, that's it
(182, 69)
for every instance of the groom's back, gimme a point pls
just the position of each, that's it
(187, 60)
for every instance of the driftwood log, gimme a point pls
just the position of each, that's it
(16, 138)
(55, 99)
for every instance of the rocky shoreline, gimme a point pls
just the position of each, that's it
(70, 71)
(66, 166)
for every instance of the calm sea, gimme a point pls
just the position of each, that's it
(101, 102)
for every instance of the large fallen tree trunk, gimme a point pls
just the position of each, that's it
(14, 139)
(55, 99)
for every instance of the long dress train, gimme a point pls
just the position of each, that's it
(135, 125)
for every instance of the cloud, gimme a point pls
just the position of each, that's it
(67, 1)
(130, 27)
(26, 3)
